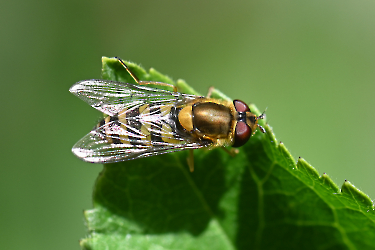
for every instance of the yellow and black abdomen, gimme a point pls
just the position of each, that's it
(148, 125)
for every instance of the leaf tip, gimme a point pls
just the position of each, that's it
(269, 132)
(105, 59)
(85, 244)
(306, 168)
(287, 155)
(359, 196)
(327, 181)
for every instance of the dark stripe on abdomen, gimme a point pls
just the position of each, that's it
(115, 122)
(156, 128)
(132, 118)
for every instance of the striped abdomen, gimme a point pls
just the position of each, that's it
(146, 125)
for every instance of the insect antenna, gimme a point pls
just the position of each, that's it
(262, 116)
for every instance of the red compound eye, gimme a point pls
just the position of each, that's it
(242, 134)
(241, 106)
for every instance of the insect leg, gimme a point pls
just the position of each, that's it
(145, 82)
(190, 160)
(215, 93)
(232, 152)
(210, 89)
(127, 69)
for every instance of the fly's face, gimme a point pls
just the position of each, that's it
(246, 123)
(144, 121)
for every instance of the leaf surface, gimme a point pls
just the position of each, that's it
(259, 199)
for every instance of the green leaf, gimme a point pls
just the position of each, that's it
(259, 199)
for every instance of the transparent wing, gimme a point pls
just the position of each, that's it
(132, 138)
(111, 97)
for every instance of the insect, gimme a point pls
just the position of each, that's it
(143, 121)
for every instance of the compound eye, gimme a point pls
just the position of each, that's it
(242, 134)
(241, 106)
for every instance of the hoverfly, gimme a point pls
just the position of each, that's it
(143, 121)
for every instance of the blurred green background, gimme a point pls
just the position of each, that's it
(310, 62)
